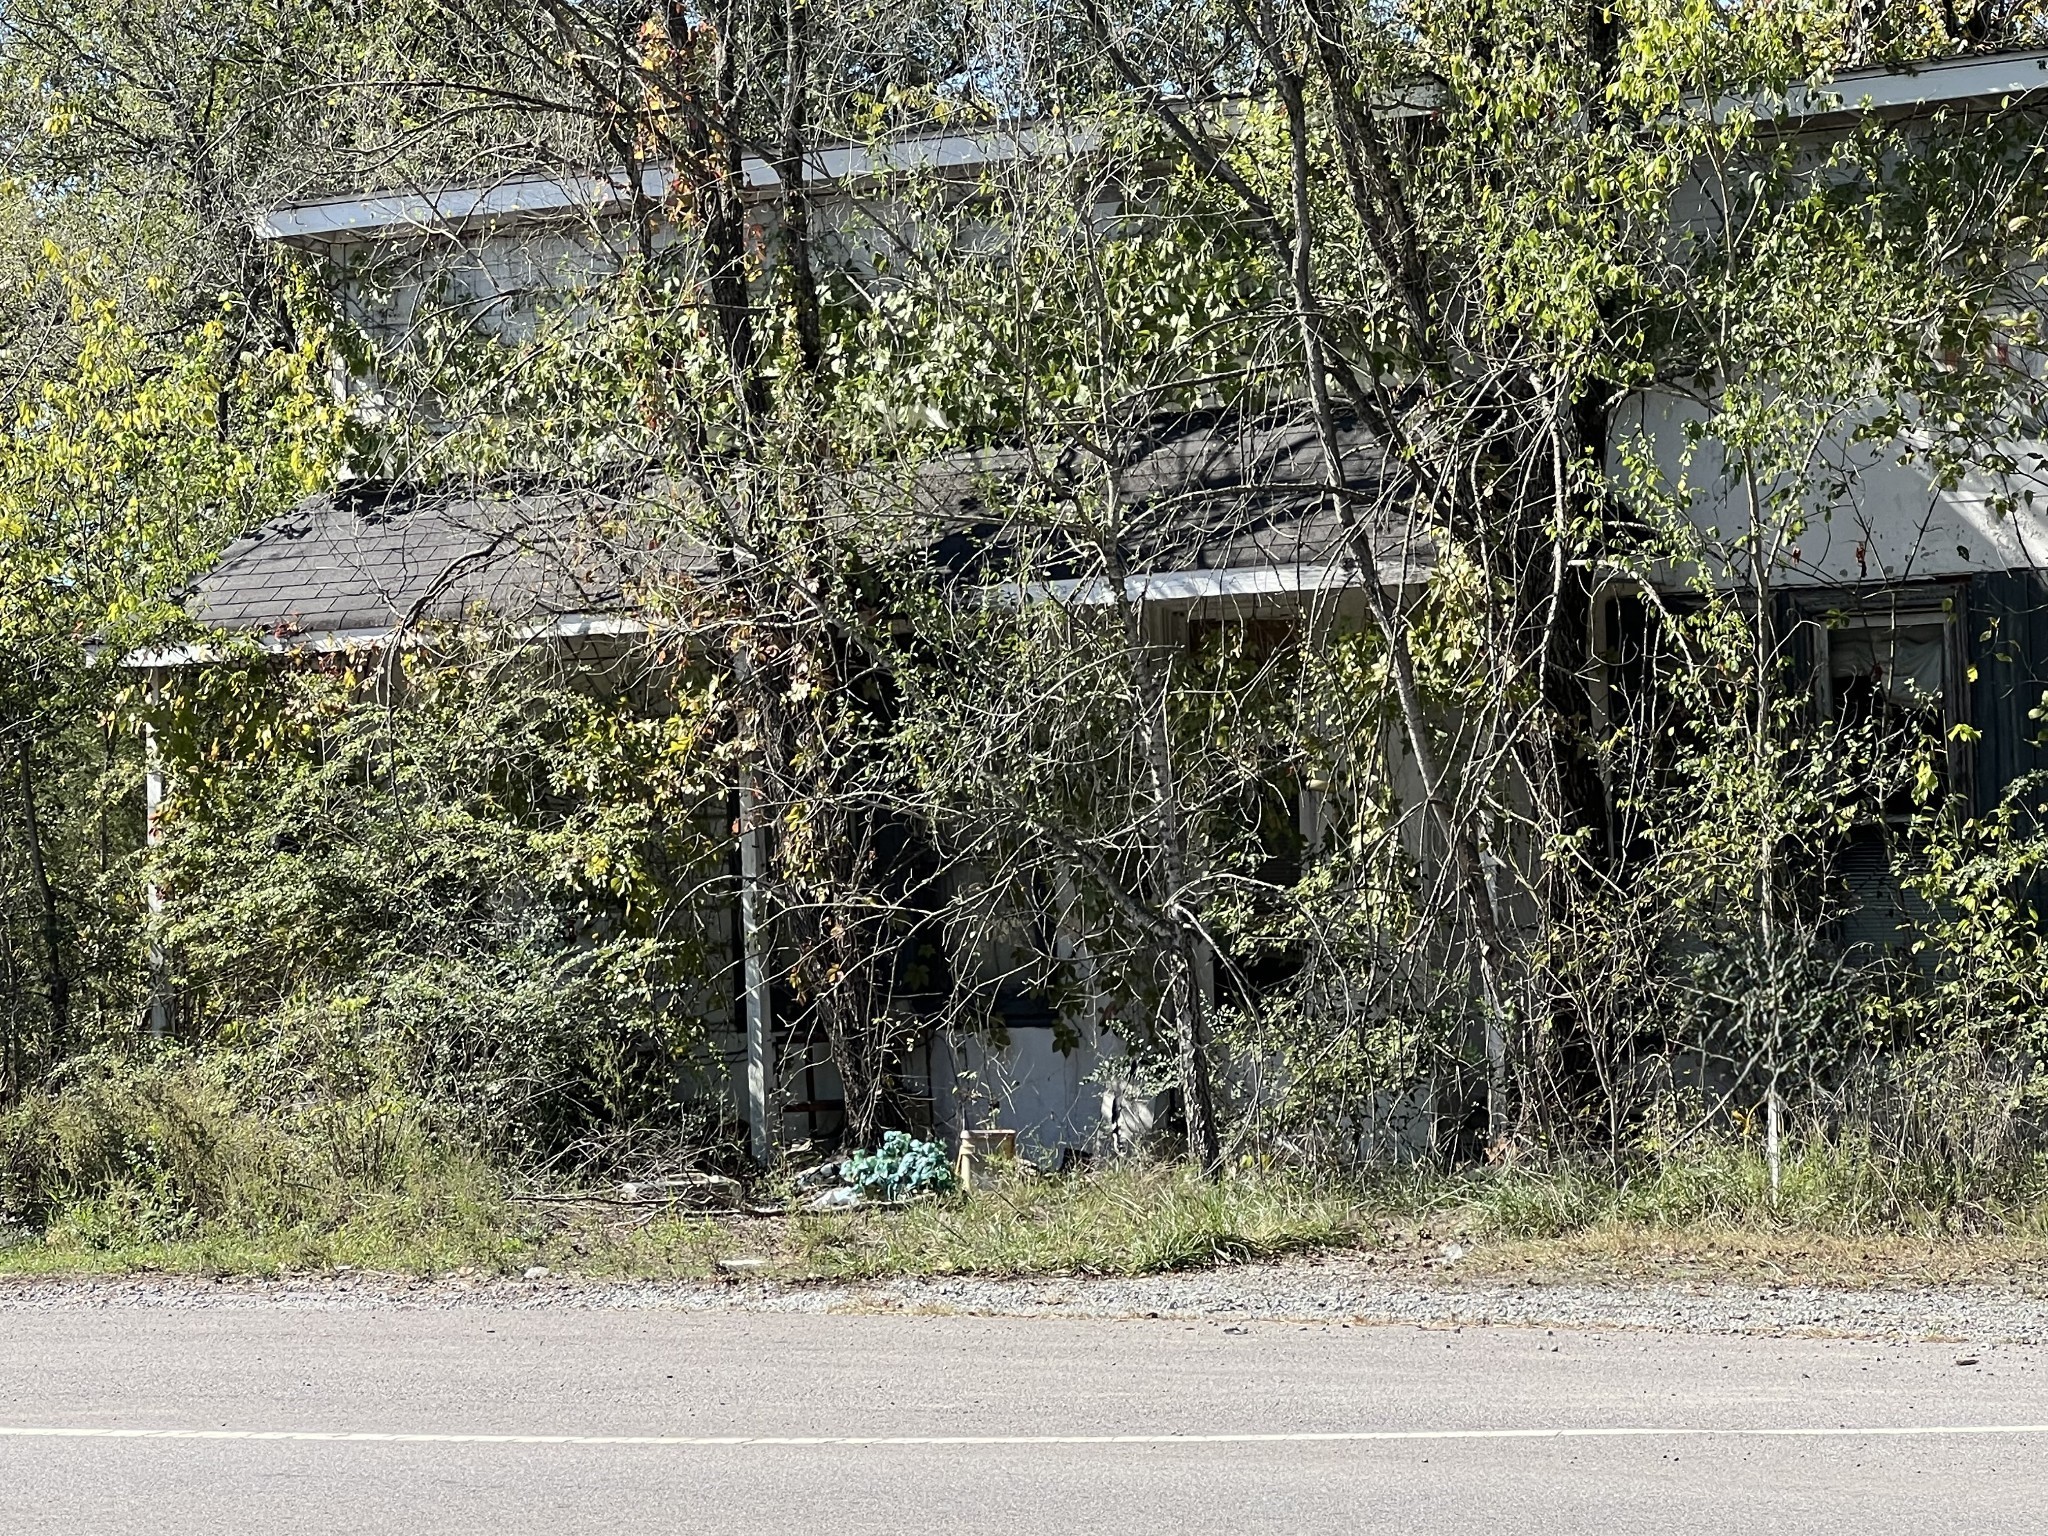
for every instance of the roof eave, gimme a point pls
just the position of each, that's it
(1960, 81)
(540, 198)
(572, 626)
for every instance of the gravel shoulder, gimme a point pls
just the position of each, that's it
(1331, 1290)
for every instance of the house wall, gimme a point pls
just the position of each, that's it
(1082, 1101)
(1869, 519)
(1868, 516)
(501, 276)
(1883, 531)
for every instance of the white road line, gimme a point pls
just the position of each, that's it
(1625, 1432)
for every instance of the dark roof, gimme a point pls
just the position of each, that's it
(1215, 495)
(374, 558)
(1202, 495)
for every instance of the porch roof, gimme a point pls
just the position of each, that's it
(1211, 507)
(355, 565)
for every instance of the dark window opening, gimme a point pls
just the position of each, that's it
(1889, 678)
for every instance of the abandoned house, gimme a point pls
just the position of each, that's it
(1908, 595)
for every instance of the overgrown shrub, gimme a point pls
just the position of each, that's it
(498, 899)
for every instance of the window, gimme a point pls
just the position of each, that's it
(1890, 665)
(1891, 671)
(1888, 668)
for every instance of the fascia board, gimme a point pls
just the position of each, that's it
(1242, 581)
(202, 652)
(542, 197)
(1938, 82)
(381, 213)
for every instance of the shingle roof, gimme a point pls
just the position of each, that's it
(1216, 495)
(373, 558)
(1213, 495)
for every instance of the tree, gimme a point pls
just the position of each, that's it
(1448, 232)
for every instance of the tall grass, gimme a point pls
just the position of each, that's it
(1839, 1187)
(192, 1162)
(177, 1163)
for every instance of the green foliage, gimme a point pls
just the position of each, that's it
(486, 889)
(490, 884)
(128, 462)
(1055, 327)
(128, 454)
(1983, 945)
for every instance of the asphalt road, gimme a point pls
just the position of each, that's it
(607, 1421)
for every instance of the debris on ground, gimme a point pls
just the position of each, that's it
(843, 1197)
(702, 1188)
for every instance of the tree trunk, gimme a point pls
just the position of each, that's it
(1467, 862)
(789, 171)
(11, 1045)
(1191, 1028)
(1184, 986)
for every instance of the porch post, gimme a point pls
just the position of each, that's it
(152, 835)
(760, 1013)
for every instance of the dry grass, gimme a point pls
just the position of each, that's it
(170, 1170)
(1117, 1221)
